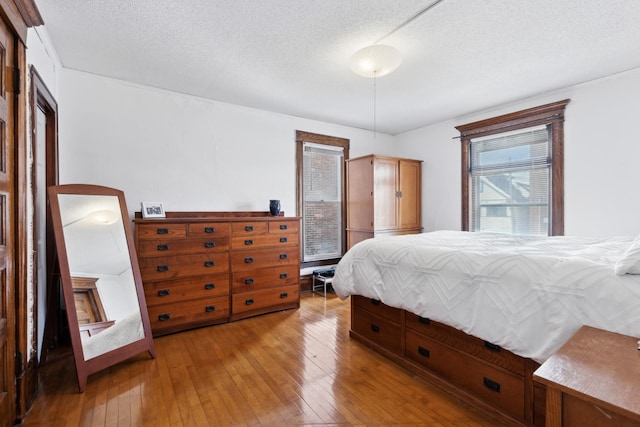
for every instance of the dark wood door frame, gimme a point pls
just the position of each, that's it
(41, 99)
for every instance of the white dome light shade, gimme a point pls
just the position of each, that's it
(375, 61)
(105, 217)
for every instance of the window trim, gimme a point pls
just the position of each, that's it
(301, 137)
(550, 115)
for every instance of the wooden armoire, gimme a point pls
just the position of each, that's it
(383, 197)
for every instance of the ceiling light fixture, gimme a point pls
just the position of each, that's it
(104, 217)
(379, 60)
(375, 61)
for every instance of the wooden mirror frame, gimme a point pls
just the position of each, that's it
(84, 368)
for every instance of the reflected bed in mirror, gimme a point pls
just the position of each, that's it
(100, 277)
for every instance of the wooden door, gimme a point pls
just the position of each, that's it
(409, 185)
(8, 249)
(360, 194)
(385, 193)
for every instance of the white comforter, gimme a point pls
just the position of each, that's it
(526, 294)
(125, 331)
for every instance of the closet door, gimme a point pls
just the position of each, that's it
(8, 248)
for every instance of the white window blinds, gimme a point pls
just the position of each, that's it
(510, 182)
(322, 201)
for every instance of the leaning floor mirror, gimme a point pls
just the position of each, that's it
(101, 283)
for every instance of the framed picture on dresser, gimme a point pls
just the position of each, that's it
(152, 210)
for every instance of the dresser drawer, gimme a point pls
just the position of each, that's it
(160, 268)
(167, 317)
(377, 329)
(167, 246)
(276, 227)
(377, 307)
(263, 299)
(247, 242)
(249, 228)
(172, 291)
(250, 260)
(492, 384)
(483, 350)
(212, 229)
(246, 281)
(579, 412)
(160, 231)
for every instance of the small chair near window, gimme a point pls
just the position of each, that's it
(324, 277)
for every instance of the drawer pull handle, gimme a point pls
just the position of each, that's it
(423, 351)
(209, 230)
(210, 308)
(249, 301)
(375, 328)
(248, 242)
(163, 292)
(284, 275)
(162, 231)
(164, 317)
(209, 263)
(209, 244)
(491, 385)
(492, 347)
(248, 228)
(424, 320)
(248, 260)
(284, 295)
(163, 268)
(248, 281)
(209, 286)
(163, 247)
(283, 226)
(283, 240)
(374, 301)
(283, 256)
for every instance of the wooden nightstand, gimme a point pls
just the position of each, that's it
(593, 380)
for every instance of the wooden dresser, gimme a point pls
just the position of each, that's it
(492, 378)
(383, 197)
(203, 268)
(265, 266)
(593, 380)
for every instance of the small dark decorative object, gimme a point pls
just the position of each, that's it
(274, 207)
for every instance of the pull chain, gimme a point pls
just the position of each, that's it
(374, 104)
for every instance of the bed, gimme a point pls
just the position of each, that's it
(124, 331)
(471, 296)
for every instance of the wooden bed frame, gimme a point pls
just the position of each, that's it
(485, 375)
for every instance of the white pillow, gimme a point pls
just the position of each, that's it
(629, 263)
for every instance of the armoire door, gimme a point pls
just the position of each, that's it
(409, 200)
(8, 200)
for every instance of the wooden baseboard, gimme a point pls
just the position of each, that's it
(305, 283)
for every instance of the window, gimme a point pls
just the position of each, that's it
(321, 195)
(512, 172)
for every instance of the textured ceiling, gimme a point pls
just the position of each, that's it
(292, 56)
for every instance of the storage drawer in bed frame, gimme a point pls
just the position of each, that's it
(490, 377)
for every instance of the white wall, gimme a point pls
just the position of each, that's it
(601, 152)
(42, 55)
(190, 153)
(196, 154)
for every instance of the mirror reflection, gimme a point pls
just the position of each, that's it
(104, 289)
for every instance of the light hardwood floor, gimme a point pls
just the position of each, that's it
(292, 368)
